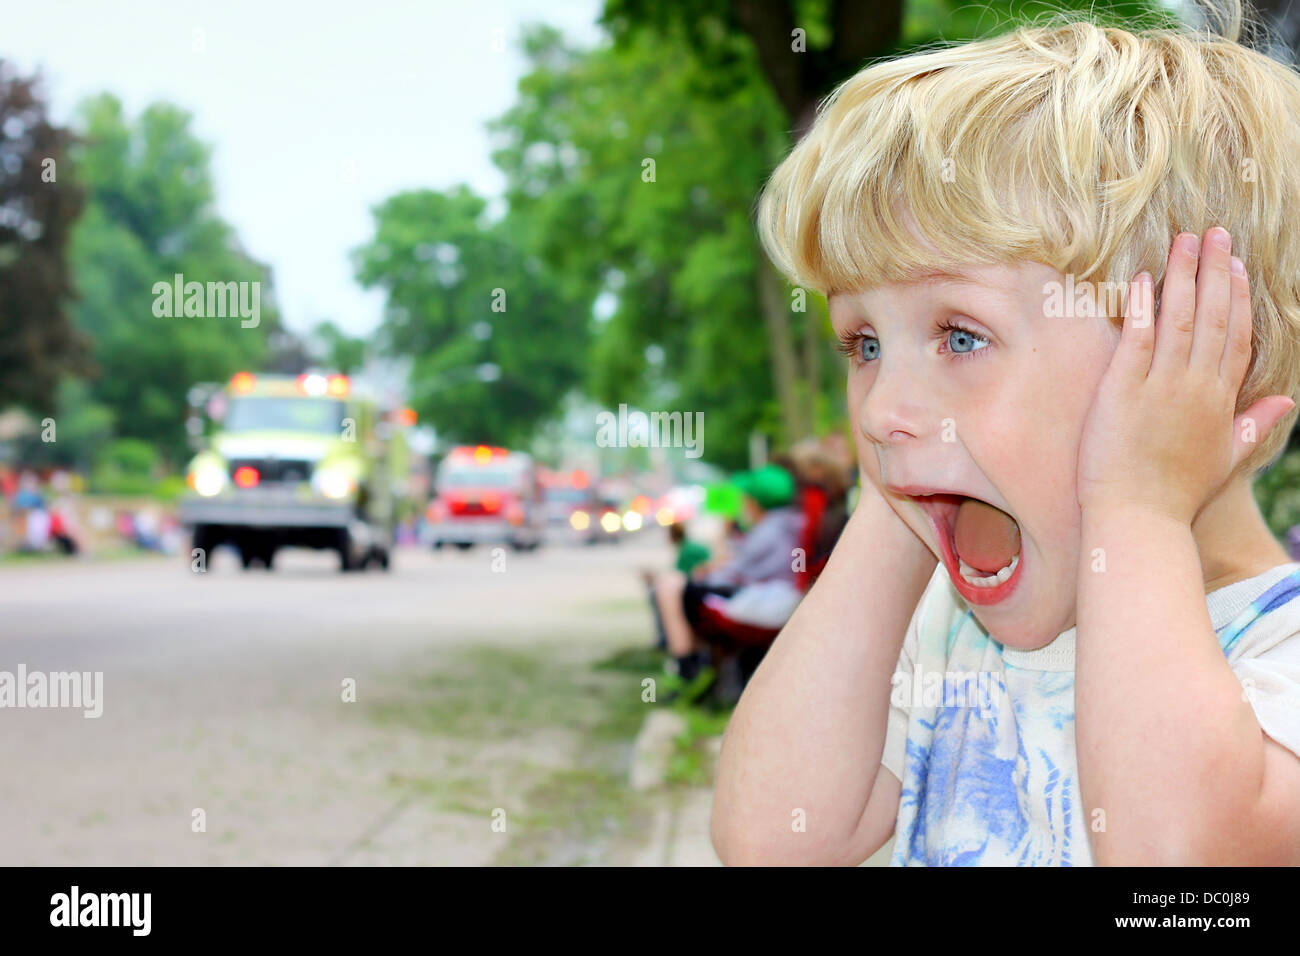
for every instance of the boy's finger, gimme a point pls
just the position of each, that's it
(1177, 306)
(1137, 339)
(1213, 301)
(1236, 351)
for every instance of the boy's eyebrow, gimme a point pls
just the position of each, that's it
(946, 275)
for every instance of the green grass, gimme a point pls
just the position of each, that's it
(487, 692)
(122, 553)
(580, 813)
(691, 764)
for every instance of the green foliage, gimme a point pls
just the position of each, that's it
(677, 253)
(339, 351)
(169, 489)
(40, 201)
(126, 466)
(728, 86)
(150, 217)
(81, 426)
(464, 294)
(1277, 491)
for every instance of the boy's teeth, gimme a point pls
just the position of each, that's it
(981, 581)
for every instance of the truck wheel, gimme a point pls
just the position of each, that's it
(255, 553)
(464, 545)
(206, 541)
(348, 559)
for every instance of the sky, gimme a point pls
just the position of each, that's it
(316, 112)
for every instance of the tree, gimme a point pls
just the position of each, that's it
(151, 216)
(39, 202)
(495, 340)
(633, 170)
(338, 350)
(801, 50)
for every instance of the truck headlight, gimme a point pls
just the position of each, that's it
(208, 478)
(335, 481)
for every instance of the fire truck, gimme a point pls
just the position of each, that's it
(486, 494)
(298, 461)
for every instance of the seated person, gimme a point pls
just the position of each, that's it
(762, 560)
(691, 555)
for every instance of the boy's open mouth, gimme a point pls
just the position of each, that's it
(980, 544)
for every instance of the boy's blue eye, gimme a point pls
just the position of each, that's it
(868, 348)
(961, 341)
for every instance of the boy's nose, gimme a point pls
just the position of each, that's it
(896, 410)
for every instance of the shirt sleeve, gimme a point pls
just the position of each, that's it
(1271, 683)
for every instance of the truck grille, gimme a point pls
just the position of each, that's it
(275, 469)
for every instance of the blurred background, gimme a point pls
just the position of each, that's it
(371, 386)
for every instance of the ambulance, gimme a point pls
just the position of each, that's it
(297, 461)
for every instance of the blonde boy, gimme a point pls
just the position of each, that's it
(1056, 630)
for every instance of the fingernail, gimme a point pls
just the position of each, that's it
(1238, 269)
(1219, 236)
(1191, 245)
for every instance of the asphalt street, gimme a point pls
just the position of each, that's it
(226, 734)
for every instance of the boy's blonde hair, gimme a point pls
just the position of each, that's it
(1080, 146)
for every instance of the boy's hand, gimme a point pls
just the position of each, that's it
(1161, 432)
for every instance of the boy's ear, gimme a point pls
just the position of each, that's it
(1255, 424)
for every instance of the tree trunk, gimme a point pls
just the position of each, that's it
(785, 373)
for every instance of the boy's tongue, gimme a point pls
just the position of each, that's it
(985, 537)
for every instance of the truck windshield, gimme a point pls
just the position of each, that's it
(316, 415)
(480, 477)
(567, 494)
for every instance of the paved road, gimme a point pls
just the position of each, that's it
(223, 693)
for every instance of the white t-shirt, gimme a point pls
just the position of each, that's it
(982, 736)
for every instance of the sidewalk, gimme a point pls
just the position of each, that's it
(680, 831)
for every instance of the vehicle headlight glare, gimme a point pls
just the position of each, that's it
(209, 479)
(335, 483)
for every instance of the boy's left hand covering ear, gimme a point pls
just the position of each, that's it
(1155, 433)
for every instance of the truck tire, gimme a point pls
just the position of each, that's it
(255, 553)
(204, 540)
(348, 558)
